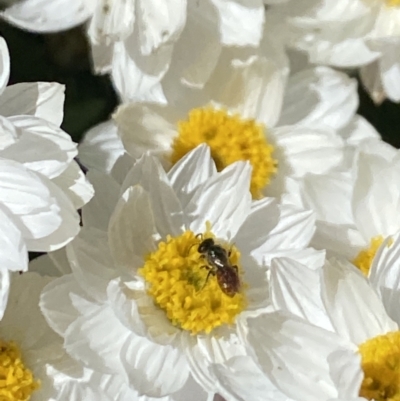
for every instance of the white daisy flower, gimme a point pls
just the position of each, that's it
(346, 34)
(332, 339)
(41, 186)
(239, 114)
(34, 365)
(155, 305)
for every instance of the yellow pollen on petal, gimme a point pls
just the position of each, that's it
(380, 362)
(177, 281)
(364, 259)
(231, 139)
(16, 381)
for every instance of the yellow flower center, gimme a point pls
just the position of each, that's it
(230, 139)
(380, 361)
(364, 259)
(180, 282)
(16, 381)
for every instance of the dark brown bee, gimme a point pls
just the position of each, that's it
(220, 266)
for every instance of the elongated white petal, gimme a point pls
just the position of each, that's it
(385, 275)
(112, 21)
(44, 16)
(40, 99)
(297, 289)
(355, 310)
(295, 355)
(74, 183)
(56, 147)
(159, 23)
(129, 242)
(248, 15)
(155, 370)
(220, 198)
(4, 65)
(328, 98)
(376, 199)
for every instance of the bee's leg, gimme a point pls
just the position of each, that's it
(230, 250)
(211, 271)
(236, 268)
(199, 236)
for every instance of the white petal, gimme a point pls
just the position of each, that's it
(102, 56)
(96, 339)
(262, 219)
(98, 211)
(385, 275)
(321, 96)
(224, 201)
(146, 126)
(132, 228)
(112, 21)
(191, 387)
(293, 231)
(309, 149)
(159, 23)
(39, 208)
(40, 99)
(101, 147)
(13, 252)
(376, 199)
(343, 240)
(329, 195)
(46, 266)
(346, 373)
(371, 79)
(4, 287)
(294, 354)
(297, 289)
(242, 379)
(4, 65)
(44, 16)
(389, 67)
(91, 262)
(8, 133)
(342, 54)
(355, 310)
(136, 76)
(56, 305)
(56, 147)
(248, 15)
(192, 170)
(23, 322)
(165, 205)
(74, 183)
(253, 88)
(193, 65)
(153, 369)
(358, 130)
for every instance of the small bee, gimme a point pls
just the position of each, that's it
(220, 266)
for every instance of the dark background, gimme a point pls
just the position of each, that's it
(90, 99)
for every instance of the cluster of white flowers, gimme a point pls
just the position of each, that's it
(239, 225)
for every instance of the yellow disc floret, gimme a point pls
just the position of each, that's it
(230, 138)
(364, 259)
(16, 381)
(177, 278)
(380, 361)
